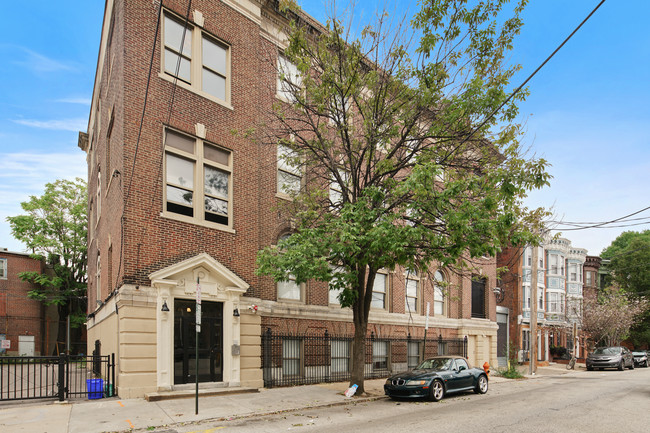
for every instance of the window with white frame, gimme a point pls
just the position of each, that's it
(289, 175)
(289, 289)
(527, 297)
(380, 355)
(588, 278)
(557, 264)
(336, 191)
(196, 58)
(340, 356)
(98, 279)
(379, 291)
(555, 302)
(291, 356)
(3, 269)
(412, 292)
(289, 80)
(528, 256)
(334, 292)
(439, 294)
(573, 272)
(413, 357)
(540, 299)
(198, 180)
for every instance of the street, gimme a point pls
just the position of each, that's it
(599, 401)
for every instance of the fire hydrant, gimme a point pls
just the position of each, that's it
(486, 367)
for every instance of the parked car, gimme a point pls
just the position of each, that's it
(436, 377)
(640, 358)
(610, 357)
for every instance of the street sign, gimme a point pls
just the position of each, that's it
(198, 306)
(426, 320)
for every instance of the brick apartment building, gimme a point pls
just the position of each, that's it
(22, 320)
(175, 197)
(565, 275)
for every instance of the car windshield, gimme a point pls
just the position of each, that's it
(638, 353)
(435, 364)
(607, 351)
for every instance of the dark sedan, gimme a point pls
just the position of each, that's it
(610, 357)
(436, 377)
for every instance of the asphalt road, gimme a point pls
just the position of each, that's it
(599, 401)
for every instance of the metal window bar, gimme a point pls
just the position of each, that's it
(299, 359)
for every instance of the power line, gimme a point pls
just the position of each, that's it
(606, 222)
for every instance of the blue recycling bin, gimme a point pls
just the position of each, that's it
(95, 388)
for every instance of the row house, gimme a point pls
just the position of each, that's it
(23, 329)
(564, 273)
(178, 204)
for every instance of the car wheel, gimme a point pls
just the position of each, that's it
(631, 367)
(590, 368)
(645, 364)
(436, 391)
(481, 385)
(621, 366)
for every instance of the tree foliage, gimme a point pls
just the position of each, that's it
(396, 171)
(608, 317)
(54, 227)
(629, 268)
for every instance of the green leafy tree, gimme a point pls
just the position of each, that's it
(54, 227)
(398, 173)
(629, 267)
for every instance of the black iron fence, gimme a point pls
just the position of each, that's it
(57, 377)
(292, 359)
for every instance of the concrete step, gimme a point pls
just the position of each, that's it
(208, 392)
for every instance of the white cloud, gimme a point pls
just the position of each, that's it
(81, 101)
(78, 124)
(42, 64)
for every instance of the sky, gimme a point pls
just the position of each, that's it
(587, 113)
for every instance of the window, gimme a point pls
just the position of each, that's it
(333, 291)
(289, 289)
(442, 348)
(411, 292)
(525, 340)
(289, 175)
(336, 193)
(461, 363)
(3, 269)
(540, 300)
(528, 256)
(198, 180)
(555, 302)
(439, 294)
(98, 279)
(380, 355)
(291, 349)
(340, 354)
(288, 79)
(478, 298)
(379, 292)
(588, 278)
(557, 264)
(573, 272)
(196, 59)
(99, 194)
(527, 297)
(413, 350)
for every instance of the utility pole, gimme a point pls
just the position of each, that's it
(533, 311)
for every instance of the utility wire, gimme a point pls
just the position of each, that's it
(606, 222)
(518, 89)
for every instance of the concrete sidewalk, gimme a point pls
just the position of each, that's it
(116, 415)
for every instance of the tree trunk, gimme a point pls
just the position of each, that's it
(61, 333)
(360, 311)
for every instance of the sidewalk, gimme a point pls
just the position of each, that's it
(116, 415)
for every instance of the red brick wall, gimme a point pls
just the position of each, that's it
(19, 315)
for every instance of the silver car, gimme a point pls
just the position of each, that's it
(610, 357)
(640, 358)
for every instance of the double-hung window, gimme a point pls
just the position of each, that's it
(196, 59)
(379, 291)
(3, 269)
(289, 80)
(289, 289)
(198, 180)
(439, 294)
(413, 356)
(340, 356)
(289, 175)
(412, 289)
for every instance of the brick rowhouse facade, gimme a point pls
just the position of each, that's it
(146, 251)
(22, 320)
(561, 286)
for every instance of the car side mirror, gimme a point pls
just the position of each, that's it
(461, 368)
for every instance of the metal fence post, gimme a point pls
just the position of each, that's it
(61, 383)
(465, 346)
(266, 358)
(97, 358)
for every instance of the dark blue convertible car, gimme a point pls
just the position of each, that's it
(436, 377)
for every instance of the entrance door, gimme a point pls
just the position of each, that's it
(210, 342)
(502, 339)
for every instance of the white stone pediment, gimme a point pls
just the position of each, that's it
(214, 278)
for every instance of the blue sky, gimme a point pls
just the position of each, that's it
(587, 113)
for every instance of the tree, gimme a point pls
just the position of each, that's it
(403, 138)
(629, 267)
(55, 229)
(608, 317)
